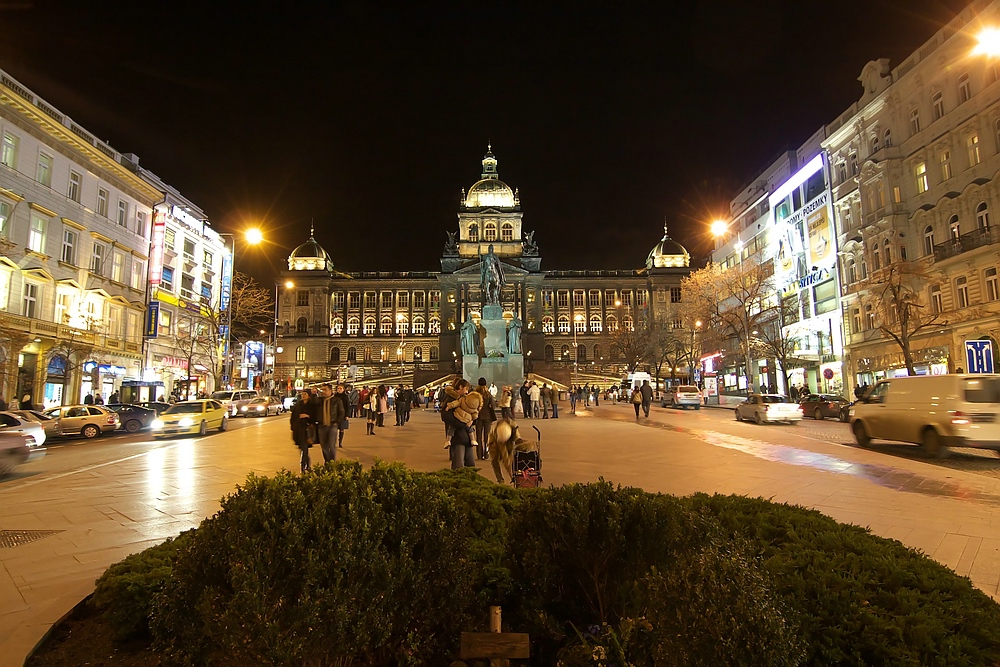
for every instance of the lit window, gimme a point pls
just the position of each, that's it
(4, 217)
(369, 326)
(138, 273)
(920, 171)
(945, 165)
(992, 285)
(353, 324)
(579, 324)
(972, 143)
(627, 323)
(337, 326)
(434, 326)
(595, 324)
(385, 326)
(490, 231)
(418, 326)
(675, 295)
(474, 233)
(612, 324)
(69, 246)
(563, 298)
(506, 232)
(164, 325)
(548, 324)
(563, 324)
(954, 228)
(36, 234)
(300, 353)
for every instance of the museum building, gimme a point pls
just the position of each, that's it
(375, 324)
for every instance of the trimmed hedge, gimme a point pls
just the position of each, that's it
(385, 566)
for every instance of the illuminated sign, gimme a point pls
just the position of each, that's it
(156, 248)
(227, 281)
(820, 232)
(254, 356)
(152, 319)
(800, 177)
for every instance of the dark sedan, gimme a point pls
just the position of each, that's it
(156, 406)
(821, 406)
(133, 417)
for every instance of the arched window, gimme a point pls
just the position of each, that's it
(579, 325)
(352, 355)
(902, 252)
(564, 353)
(874, 144)
(335, 355)
(369, 328)
(887, 138)
(385, 327)
(337, 327)
(954, 229)
(876, 261)
(595, 324)
(928, 240)
(548, 324)
(612, 324)
(435, 355)
(581, 352)
(887, 253)
(864, 268)
(418, 326)
(301, 325)
(434, 327)
(597, 353)
(852, 271)
(300, 353)
(402, 325)
(506, 232)
(549, 353)
(490, 231)
(627, 323)
(368, 355)
(474, 233)
(983, 216)
(418, 353)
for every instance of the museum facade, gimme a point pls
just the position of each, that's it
(377, 324)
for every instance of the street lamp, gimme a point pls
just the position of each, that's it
(989, 43)
(694, 330)
(400, 318)
(252, 236)
(576, 352)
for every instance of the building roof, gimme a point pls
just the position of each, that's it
(668, 253)
(310, 256)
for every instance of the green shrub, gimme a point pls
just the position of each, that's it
(365, 565)
(862, 599)
(124, 593)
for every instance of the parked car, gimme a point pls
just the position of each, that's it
(933, 411)
(682, 396)
(156, 406)
(89, 421)
(847, 411)
(189, 417)
(821, 406)
(133, 417)
(234, 400)
(766, 408)
(262, 406)
(15, 449)
(13, 423)
(48, 424)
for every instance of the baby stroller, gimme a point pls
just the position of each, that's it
(528, 466)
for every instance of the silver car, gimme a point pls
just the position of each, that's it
(769, 408)
(13, 423)
(89, 421)
(16, 448)
(48, 424)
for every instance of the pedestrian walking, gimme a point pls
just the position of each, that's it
(302, 421)
(535, 393)
(572, 399)
(383, 405)
(647, 397)
(371, 410)
(636, 401)
(506, 398)
(487, 415)
(341, 395)
(526, 408)
(330, 414)
(554, 401)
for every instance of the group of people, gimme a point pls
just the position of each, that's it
(467, 414)
(642, 397)
(795, 392)
(24, 404)
(97, 399)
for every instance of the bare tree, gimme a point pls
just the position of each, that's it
(897, 308)
(666, 341)
(12, 340)
(735, 300)
(252, 307)
(630, 345)
(775, 337)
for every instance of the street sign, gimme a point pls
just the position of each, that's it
(225, 379)
(979, 356)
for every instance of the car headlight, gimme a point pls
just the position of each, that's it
(186, 421)
(244, 408)
(157, 423)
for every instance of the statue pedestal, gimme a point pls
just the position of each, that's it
(497, 366)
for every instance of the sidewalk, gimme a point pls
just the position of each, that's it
(94, 516)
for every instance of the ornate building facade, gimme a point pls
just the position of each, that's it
(358, 325)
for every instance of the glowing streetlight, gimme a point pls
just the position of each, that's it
(253, 236)
(719, 228)
(988, 43)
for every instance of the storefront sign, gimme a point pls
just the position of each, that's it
(152, 319)
(227, 281)
(156, 248)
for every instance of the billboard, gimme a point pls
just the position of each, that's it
(227, 281)
(156, 248)
(820, 236)
(254, 357)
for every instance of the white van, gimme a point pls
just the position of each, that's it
(933, 411)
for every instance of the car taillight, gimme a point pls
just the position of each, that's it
(765, 407)
(959, 418)
(800, 408)
(112, 419)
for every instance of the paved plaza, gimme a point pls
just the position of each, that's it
(83, 519)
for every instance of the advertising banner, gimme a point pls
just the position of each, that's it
(820, 237)
(227, 281)
(152, 319)
(156, 248)
(254, 359)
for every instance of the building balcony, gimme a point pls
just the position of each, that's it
(969, 241)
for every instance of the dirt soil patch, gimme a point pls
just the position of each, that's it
(85, 638)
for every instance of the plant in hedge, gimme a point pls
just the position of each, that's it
(860, 598)
(583, 551)
(364, 565)
(124, 593)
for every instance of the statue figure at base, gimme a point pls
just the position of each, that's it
(470, 337)
(514, 336)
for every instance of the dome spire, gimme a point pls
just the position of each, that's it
(489, 163)
(312, 228)
(666, 234)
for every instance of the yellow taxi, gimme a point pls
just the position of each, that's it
(189, 417)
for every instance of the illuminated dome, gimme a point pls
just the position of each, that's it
(667, 253)
(310, 256)
(490, 190)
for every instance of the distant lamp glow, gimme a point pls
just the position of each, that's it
(254, 236)
(989, 43)
(289, 284)
(719, 227)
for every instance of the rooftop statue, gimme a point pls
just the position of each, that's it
(530, 248)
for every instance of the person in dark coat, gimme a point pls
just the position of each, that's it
(461, 447)
(487, 415)
(344, 398)
(303, 416)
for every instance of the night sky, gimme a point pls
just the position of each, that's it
(371, 121)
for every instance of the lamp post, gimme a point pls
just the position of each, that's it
(252, 236)
(277, 318)
(694, 331)
(576, 352)
(401, 350)
(719, 229)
